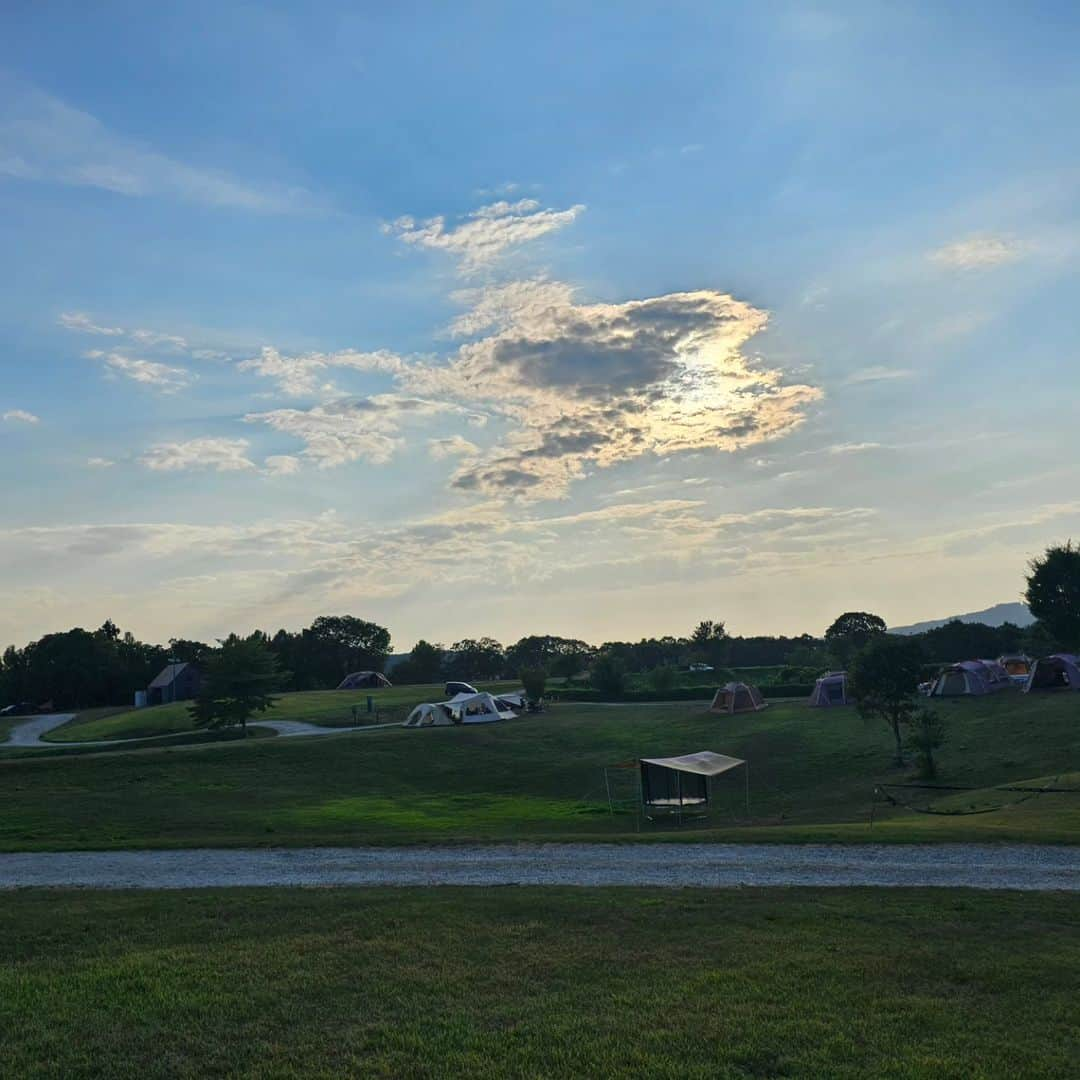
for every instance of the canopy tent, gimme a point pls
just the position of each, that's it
(481, 708)
(461, 709)
(830, 689)
(737, 697)
(1058, 672)
(364, 680)
(676, 783)
(970, 678)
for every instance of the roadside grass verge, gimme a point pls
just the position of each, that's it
(539, 982)
(812, 777)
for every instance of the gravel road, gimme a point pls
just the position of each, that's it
(674, 865)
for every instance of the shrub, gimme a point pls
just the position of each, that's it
(663, 677)
(608, 675)
(534, 680)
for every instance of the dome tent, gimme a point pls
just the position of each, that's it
(364, 680)
(737, 697)
(830, 689)
(970, 678)
(1058, 672)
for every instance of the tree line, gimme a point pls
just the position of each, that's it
(81, 669)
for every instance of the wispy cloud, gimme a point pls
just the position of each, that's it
(453, 446)
(42, 138)
(979, 252)
(20, 416)
(487, 233)
(878, 374)
(306, 374)
(219, 455)
(99, 463)
(163, 377)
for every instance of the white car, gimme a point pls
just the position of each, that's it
(701, 667)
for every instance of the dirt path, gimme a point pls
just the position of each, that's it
(674, 865)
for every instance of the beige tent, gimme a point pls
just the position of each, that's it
(737, 697)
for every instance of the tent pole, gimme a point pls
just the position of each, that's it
(747, 771)
(607, 784)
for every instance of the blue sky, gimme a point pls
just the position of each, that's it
(509, 319)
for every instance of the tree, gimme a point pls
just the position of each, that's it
(541, 650)
(189, 652)
(473, 659)
(884, 680)
(926, 733)
(239, 680)
(663, 677)
(850, 632)
(608, 675)
(534, 680)
(424, 665)
(1053, 592)
(710, 642)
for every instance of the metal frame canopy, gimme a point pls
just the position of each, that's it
(678, 782)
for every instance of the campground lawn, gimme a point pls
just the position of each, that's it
(540, 982)
(328, 708)
(812, 774)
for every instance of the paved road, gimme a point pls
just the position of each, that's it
(30, 732)
(673, 865)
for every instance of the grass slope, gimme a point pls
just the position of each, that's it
(330, 708)
(813, 773)
(531, 982)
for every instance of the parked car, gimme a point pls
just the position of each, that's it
(453, 688)
(701, 667)
(21, 708)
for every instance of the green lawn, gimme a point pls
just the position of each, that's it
(812, 772)
(330, 708)
(540, 982)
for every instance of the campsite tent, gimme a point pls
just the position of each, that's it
(1058, 672)
(677, 783)
(830, 689)
(1017, 667)
(970, 678)
(737, 697)
(364, 680)
(462, 709)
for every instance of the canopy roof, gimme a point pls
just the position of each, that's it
(703, 763)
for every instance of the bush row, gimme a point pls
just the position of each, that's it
(676, 693)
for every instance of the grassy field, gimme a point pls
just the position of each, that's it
(333, 708)
(813, 774)
(530, 982)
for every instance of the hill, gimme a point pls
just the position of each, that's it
(997, 615)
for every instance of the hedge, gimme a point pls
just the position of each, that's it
(676, 693)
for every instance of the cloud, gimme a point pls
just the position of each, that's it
(304, 375)
(44, 139)
(163, 377)
(281, 465)
(878, 374)
(594, 384)
(487, 233)
(20, 416)
(220, 455)
(99, 463)
(82, 323)
(979, 252)
(351, 429)
(454, 446)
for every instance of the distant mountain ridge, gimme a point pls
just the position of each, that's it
(992, 616)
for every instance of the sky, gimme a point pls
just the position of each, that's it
(497, 319)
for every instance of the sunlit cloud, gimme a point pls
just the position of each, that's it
(453, 446)
(163, 377)
(878, 373)
(485, 234)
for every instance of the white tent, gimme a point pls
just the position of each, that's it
(460, 709)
